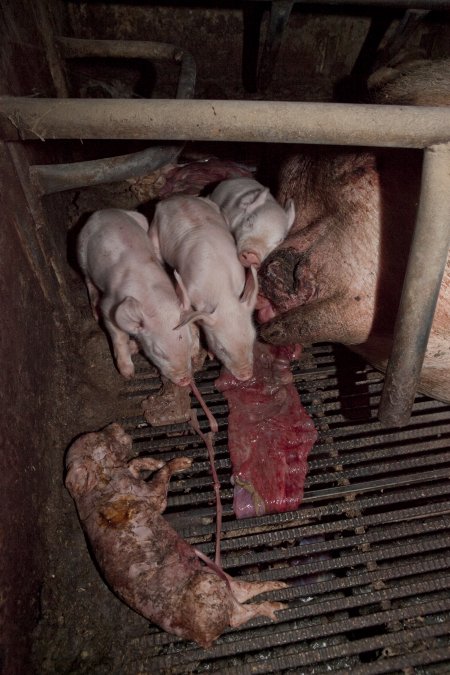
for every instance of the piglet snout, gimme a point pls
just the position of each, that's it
(183, 381)
(249, 258)
(244, 374)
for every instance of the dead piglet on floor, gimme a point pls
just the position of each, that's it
(134, 293)
(259, 224)
(142, 558)
(192, 237)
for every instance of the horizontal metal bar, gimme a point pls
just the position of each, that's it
(71, 48)
(258, 121)
(426, 266)
(407, 4)
(135, 49)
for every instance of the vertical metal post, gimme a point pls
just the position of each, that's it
(426, 266)
(279, 15)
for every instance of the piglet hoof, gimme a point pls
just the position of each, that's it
(179, 464)
(126, 370)
(133, 346)
(119, 434)
(243, 613)
(245, 590)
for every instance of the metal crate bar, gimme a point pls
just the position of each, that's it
(426, 266)
(24, 118)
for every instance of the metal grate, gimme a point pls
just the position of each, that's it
(367, 554)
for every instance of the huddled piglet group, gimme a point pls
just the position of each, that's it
(213, 247)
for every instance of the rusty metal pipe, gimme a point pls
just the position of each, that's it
(51, 178)
(280, 11)
(423, 278)
(134, 49)
(258, 121)
(406, 4)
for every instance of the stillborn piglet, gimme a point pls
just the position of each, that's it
(255, 218)
(191, 235)
(142, 558)
(134, 294)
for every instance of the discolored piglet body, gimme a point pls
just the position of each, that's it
(192, 237)
(259, 224)
(134, 294)
(142, 558)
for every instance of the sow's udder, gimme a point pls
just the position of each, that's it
(284, 283)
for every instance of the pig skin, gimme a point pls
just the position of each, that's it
(132, 293)
(338, 275)
(191, 236)
(411, 81)
(144, 561)
(192, 178)
(257, 221)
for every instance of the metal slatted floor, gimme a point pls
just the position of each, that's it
(367, 554)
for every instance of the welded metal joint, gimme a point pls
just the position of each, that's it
(423, 278)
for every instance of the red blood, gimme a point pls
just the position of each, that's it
(192, 178)
(270, 434)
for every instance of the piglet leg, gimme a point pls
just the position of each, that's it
(242, 613)
(159, 484)
(144, 464)
(94, 297)
(133, 346)
(244, 590)
(121, 346)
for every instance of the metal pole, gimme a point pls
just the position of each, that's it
(423, 278)
(135, 49)
(406, 4)
(279, 16)
(51, 178)
(258, 121)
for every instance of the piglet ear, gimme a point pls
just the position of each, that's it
(79, 479)
(250, 291)
(206, 317)
(130, 315)
(154, 240)
(289, 209)
(182, 292)
(259, 200)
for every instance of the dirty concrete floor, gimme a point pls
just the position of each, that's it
(83, 627)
